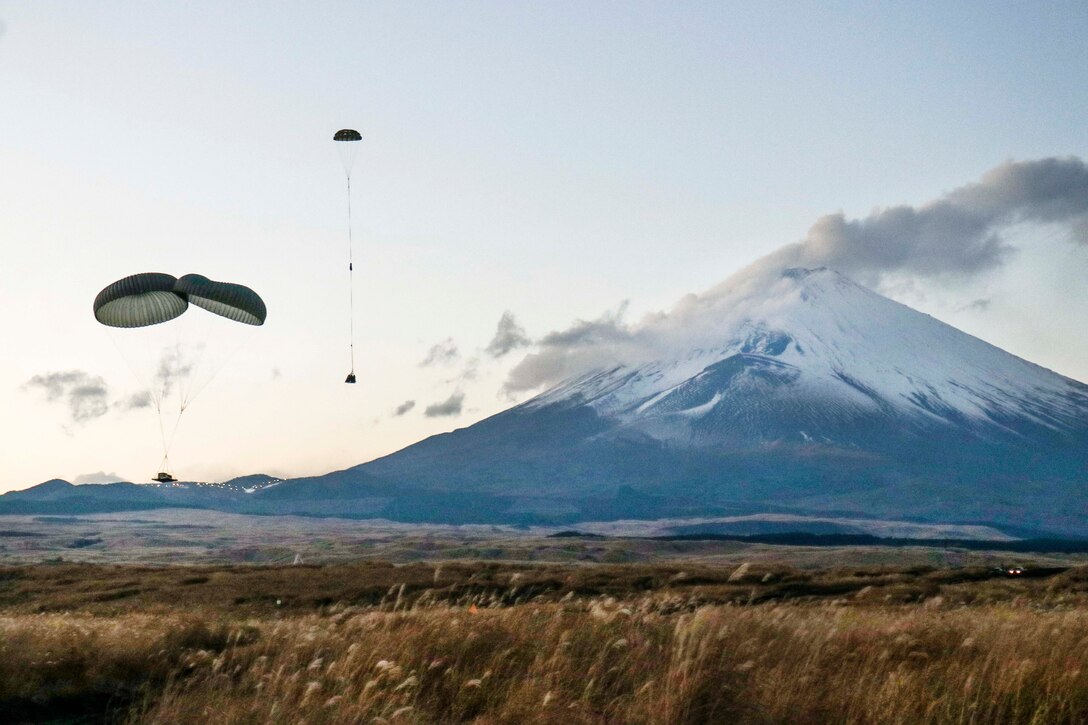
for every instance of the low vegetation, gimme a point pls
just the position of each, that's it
(496, 643)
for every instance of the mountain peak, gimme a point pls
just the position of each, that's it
(54, 483)
(802, 272)
(808, 357)
(52, 488)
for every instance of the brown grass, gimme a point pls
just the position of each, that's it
(257, 591)
(966, 650)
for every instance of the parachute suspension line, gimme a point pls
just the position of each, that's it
(164, 465)
(351, 286)
(168, 442)
(171, 378)
(145, 386)
(190, 386)
(196, 387)
(154, 394)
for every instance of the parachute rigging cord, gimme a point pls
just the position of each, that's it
(346, 145)
(351, 290)
(158, 395)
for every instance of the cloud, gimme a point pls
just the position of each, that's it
(442, 353)
(469, 372)
(982, 304)
(141, 399)
(582, 346)
(508, 336)
(175, 365)
(403, 408)
(97, 477)
(959, 234)
(448, 407)
(86, 396)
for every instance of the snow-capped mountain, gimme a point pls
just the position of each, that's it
(817, 358)
(800, 392)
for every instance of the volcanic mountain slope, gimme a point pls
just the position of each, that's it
(807, 393)
(819, 358)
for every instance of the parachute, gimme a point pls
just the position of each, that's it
(152, 298)
(139, 300)
(226, 299)
(347, 145)
(169, 365)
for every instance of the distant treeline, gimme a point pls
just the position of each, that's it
(1038, 546)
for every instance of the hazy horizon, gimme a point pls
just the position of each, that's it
(522, 167)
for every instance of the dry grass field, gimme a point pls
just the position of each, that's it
(540, 643)
(184, 536)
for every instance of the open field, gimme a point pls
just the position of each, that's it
(497, 642)
(188, 536)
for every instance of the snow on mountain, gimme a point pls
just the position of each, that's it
(800, 358)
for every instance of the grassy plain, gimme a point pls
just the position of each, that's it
(180, 536)
(510, 642)
(178, 617)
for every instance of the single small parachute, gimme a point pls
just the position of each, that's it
(226, 299)
(347, 146)
(139, 300)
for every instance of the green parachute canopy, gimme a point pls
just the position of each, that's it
(139, 300)
(226, 299)
(347, 146)
(151, 298)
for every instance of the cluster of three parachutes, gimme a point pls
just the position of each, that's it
(153, 298)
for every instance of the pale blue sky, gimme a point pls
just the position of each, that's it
(551, 159)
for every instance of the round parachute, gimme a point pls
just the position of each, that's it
(347, 144)
(347, 147)
(139, 300)
(226, 299)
